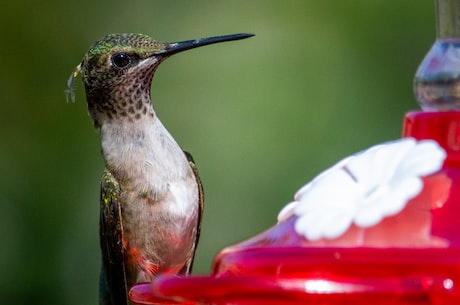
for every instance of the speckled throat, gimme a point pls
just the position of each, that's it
(128, 99)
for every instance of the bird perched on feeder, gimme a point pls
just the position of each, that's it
(151, 195)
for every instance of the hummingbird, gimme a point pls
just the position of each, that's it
(151, 199)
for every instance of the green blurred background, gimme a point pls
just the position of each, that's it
(321, 80)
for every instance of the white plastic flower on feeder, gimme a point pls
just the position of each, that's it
(363, 188)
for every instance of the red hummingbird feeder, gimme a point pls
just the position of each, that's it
(380, 227)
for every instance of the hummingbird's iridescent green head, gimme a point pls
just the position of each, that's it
(117, 72)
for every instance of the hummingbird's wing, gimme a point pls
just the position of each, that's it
(187, 269)
(113, 287)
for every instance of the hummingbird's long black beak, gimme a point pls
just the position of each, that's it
(176, 47)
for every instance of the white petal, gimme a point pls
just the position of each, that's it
(390, 204)
(407, 188)
(325, 199)
(335, 186)
(318, 224)
(425, 158)
(339, 224)
(287, 211)
(379, 162)
(309, 185)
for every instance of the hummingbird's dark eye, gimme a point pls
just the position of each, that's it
(121, 60)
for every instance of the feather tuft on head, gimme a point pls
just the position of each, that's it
(70, 90)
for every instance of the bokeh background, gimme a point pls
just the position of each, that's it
(321, 80)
